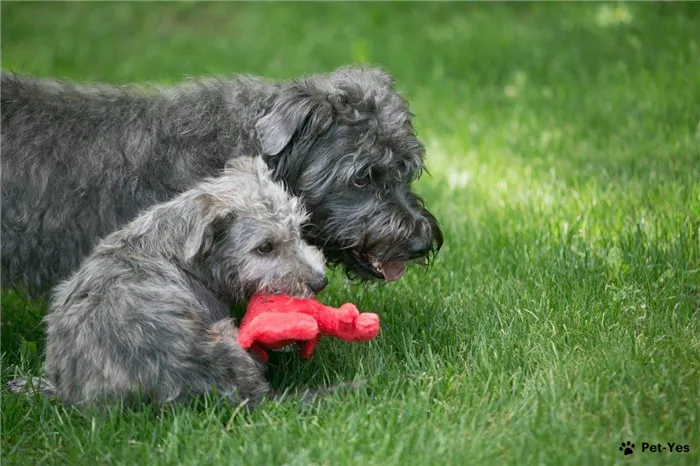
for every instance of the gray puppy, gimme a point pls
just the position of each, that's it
(79, 161)
(147, 314)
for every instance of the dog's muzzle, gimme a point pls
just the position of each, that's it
(389, 261)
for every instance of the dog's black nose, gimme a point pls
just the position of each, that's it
(318, 284)
(419, 247)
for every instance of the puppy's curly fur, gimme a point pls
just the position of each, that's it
(146, 316)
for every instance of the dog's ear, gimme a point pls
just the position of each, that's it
(366, 76)
(295, 109)
(214, 218)
(381, 76)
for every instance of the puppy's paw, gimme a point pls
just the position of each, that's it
(31, 386)
(16, 386)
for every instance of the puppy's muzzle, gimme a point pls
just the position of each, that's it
(317, 284)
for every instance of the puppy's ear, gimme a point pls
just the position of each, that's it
(246, 165)
(296, 109)
(214, 217)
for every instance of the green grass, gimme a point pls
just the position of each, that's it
(561, 317)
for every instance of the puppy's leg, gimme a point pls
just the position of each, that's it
(235, 372)
(243, 379)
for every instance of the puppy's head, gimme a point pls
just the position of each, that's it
(247, 235)
(345, 144)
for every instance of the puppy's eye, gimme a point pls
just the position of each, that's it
(360, 181)
(265, 248)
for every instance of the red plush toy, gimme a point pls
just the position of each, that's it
(274, 321)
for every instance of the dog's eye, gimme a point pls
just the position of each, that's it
(265, 248)
(361, 181)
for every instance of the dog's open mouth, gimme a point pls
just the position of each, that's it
(388, 270)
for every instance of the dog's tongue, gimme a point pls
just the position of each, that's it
(392, 271)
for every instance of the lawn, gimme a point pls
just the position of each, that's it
(561, 317)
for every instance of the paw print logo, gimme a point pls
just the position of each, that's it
(627, 447)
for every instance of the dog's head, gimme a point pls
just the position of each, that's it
(345, 144)
(246, 235)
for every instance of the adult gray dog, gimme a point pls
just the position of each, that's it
(80, 161)
(147, 313)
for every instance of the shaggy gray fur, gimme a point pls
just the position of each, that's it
(79, 161)
(146, 316)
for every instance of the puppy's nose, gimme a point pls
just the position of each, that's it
(318, 284)
(419, 247)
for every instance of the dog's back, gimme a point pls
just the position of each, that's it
(80, 161)
(58, 179)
